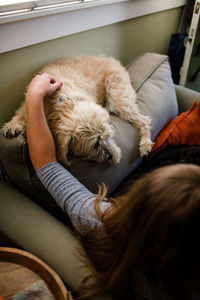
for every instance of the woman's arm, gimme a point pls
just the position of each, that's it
(40, 140)
(67, 191)
(72, 196)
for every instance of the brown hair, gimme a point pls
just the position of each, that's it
(153, 230)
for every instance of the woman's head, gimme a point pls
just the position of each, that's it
(160, 221)
(153, 230)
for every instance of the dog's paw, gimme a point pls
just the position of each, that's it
(146, 146)
(9, 130)
(116, 156)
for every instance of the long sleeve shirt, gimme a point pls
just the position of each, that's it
(73, 197)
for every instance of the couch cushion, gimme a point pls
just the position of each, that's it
(151, 78)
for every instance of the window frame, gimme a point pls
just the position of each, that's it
(29, 11)
(60, 22)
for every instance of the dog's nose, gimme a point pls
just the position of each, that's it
(110, 156)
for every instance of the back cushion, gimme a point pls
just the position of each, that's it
(151, 77)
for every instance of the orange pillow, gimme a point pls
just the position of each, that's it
(184, 130)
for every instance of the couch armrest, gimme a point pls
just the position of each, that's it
(186, 97)
(35, 230)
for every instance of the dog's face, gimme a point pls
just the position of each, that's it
(88, 134)
(92, 141)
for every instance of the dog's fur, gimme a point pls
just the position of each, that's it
(78, 113)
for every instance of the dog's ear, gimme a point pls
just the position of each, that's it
(63, 142)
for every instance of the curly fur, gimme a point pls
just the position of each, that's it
(78, 113)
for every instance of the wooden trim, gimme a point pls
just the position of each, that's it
(26, 32)
(39, 267)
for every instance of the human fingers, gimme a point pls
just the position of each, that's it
(52, 80)
(55, 86)
(43, 85)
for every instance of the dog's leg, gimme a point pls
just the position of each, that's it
(17, 124)
(62, 138)
(121, 100)
(115, 151)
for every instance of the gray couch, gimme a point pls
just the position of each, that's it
(40, 229)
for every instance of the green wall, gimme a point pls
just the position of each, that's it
(124, 41)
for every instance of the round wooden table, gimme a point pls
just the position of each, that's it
(19, 270)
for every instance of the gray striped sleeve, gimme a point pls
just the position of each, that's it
(73, 197)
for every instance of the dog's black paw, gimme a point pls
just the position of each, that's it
(10, 131)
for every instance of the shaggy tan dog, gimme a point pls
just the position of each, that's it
(78, 114)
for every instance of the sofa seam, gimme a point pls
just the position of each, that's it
(150, 72)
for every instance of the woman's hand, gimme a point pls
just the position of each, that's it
(41, 86)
